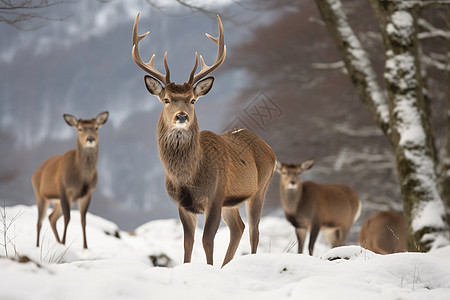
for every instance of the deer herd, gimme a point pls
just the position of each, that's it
(211, 174)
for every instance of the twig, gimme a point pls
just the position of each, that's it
(5, 227)
(290, 245)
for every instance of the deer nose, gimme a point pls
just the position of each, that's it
(91, 139)
(293, 182)
(181, 117)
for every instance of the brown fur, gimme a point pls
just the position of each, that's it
(312, 207)
(212, 174)
(68, 178)
(206, 172)
(384, 233)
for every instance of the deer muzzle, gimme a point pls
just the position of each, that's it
(181, 120)
(292, 184)
(90, 142)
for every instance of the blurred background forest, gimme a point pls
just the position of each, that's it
(283, 78)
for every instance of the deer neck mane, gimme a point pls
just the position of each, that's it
(179, 150)
(86, 159)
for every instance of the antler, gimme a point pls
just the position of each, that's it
(221, 54)
(147, 67)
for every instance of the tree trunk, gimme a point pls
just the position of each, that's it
(407, 124)
(445, 168)
(423, 207)
(357, 62)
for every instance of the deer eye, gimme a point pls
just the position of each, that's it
(166, 101)
(80, 129)
(192, 101)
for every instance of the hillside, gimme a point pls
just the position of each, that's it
(118, 265)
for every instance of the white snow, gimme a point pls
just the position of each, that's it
(120, 268)
(401, 26)
(401, 69)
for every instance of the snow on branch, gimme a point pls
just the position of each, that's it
(424, 3)
(401, 27)
(436, 63)
(406, 4)
(316, 21)
(359, 161)
(328, 66)
(357, 61)
(432, 31)
(346, 129)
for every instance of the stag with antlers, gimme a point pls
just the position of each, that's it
(206, 172)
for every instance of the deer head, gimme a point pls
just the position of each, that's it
(87, 129)
(290, 173)
(178, 100)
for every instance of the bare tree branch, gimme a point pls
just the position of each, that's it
(17, 13)
(433, 62)
(432, 31)
(356, 61)
(328, 66)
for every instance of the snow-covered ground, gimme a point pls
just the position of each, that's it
(118, 265)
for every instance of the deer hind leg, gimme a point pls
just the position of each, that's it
(53, 218)
(83, 205)
(336, 236)
(254, 208)
(66, 204)
(189, 222)
(301, 235)
(42, 205)
(234, 222)
(212, 222)
(315, 228)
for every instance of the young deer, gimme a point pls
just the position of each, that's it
(384, 233)
(206, 172)
(312, 207)
(66, 178)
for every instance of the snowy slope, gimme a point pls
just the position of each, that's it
(120, 268)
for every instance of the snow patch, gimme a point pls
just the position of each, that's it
(428, 214)
(401, 27)
(409, 125)
(120, 268)
(401, 70)
(348, 253)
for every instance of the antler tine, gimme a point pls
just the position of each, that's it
(166, 66)
(221, 54)
(147, 67)
(191, 77)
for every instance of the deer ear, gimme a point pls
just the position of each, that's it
(71, 120)
(278, 166)
(102, 118)
(153, 85)
(203, 87)
(307, 164)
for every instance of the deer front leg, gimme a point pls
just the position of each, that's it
(301, 234)
(189, 222)
(42, 205)
(83, 205)
(212, 222)
(315, 228)
(65, 205)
